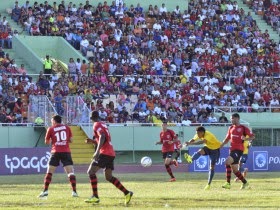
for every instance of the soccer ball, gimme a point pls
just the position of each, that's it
(146, 161)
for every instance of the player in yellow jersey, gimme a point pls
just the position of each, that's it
(243, 159)
(211, 148)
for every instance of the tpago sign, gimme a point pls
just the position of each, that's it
(16, 161)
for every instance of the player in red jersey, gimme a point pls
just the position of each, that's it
(236, 135)
(59, 136)
(103, 158)
(167, 138)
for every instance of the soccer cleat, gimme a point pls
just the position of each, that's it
(226, 185)
(43, 194)
(207, 187)
(75, 194)
(93, 200)
(245, 186)
(175, 163)
(173, 179)
(128, 197)
(188, 158)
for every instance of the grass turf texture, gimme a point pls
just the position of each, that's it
(151, 191)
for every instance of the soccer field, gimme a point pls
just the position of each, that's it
(151, 191)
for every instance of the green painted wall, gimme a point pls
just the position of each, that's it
(123, 138)
(144, 138)
(34, 49)
(20, 137)
(23, 50)
(259, 120)
(263, 119)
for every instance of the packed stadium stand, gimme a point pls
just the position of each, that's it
(143, 63)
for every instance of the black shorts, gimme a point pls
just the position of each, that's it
(177, 151)
(47, 71)
(244, 158)
(167, 155)
(214, 154)
(236, 155)
(64, 157)
(104, 161)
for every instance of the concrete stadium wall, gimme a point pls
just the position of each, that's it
(24, 51)
(170, 5)
(34, 49)
(262, 119)
(123, 138)
(144, 138)
(21, 137)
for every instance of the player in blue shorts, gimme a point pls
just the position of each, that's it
(211, 148)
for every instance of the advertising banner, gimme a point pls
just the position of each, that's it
(19, 161)
(259, 159)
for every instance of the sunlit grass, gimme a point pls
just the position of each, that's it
(151, 191)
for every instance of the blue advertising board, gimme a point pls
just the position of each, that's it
(259, 159)
(18, 161)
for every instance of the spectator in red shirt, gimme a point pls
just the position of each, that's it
(238, 82)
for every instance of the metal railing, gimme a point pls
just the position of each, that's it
(40, 110)
(246, 109)
(266, 136)
(219, 109)
(77, 111)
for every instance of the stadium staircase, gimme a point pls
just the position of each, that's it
(18, 59)
(81, 152)
(259, 20)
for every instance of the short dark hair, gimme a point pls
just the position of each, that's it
(236, 115)
(200, 129)
(94, 115)
(57, 118)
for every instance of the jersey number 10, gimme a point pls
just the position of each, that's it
(61, 136)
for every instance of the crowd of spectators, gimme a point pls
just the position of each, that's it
(270, 10)
(7, 64)
(180, 65)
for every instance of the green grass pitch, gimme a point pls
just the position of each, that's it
(151, 191)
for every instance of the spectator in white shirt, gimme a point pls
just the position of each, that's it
(171, 92)
(186, 17)
(118, 35)
(156, 92)
(212, 118)
(242, 50)
(229, 6)
(177, 10)
(162, 9)
(157, 109)
(98, 42)
(274, 102)
(119, 13)
(257, 95)
(156, 26)
(103, 114)
(255, 106)
(84, 45)
(158, 64)
(227, 87)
